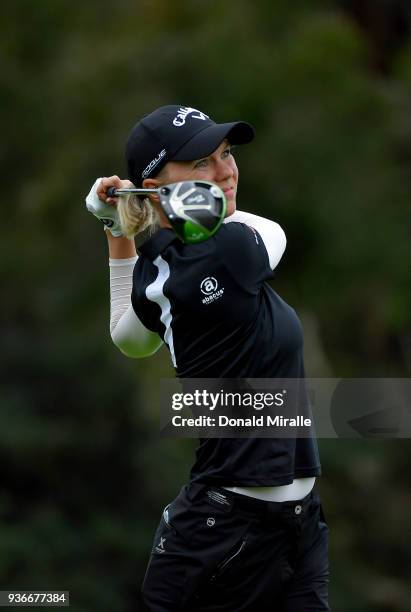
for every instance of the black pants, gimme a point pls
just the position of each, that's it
(222, 551)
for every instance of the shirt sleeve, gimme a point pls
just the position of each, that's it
(127, 331)
(271, 234)
(244, 256)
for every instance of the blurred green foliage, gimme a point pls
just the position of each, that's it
(327, 84)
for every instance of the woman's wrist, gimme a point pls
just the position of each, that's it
(120, 247)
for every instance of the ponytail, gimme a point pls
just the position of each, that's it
(136, 215)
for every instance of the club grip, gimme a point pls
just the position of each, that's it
(111, 192)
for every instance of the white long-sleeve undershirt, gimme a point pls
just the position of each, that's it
(127, 331)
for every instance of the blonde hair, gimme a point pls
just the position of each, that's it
(136, 215)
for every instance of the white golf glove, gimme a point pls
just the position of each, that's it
(106, 213)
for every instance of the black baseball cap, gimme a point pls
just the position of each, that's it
(178, 133)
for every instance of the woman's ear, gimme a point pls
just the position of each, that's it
(152, 183)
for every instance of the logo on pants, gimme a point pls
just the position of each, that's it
(160, 546)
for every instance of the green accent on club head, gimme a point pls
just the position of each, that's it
(193, 233)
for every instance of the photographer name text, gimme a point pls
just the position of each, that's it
(254, 421)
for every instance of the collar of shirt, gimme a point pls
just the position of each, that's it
(158, 242)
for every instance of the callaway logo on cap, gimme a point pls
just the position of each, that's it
(183, 111)
(179, 133)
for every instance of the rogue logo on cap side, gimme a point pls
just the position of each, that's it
(153, 163)
(184, 111)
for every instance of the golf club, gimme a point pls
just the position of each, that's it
(195, 209)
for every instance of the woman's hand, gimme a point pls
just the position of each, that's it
(111, 181)
(103, 207)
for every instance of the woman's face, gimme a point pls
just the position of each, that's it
(219, 168)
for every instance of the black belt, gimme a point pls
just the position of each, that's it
(227, 500)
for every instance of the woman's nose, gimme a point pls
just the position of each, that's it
(223, 171)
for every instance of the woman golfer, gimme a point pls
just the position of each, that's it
(247, 532)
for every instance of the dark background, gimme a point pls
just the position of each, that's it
(327, 84)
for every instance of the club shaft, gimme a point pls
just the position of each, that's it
(112, 192)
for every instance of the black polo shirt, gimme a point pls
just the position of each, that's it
(212, 306)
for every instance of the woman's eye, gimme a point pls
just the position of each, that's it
(201, 163)
(226, 153)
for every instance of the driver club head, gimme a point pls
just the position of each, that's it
(195, 209)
